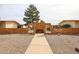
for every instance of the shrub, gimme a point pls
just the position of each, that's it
(66, 26)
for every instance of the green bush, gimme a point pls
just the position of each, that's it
(66, 26)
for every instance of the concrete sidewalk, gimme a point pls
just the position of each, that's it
(39, 45)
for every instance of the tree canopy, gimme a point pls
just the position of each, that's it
(31, 14)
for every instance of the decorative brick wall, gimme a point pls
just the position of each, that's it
(25, 31)
(13, 30)
(66, 31)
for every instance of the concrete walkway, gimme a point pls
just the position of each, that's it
(39, 45)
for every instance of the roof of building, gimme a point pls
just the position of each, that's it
(9, 21)
(69, 21)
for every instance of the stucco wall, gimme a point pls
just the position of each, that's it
(11, 25)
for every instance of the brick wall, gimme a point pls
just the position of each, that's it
(66, 31)
(25, 31)
(13, 30)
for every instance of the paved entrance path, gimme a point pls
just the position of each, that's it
(38, 45)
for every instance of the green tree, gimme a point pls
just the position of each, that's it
(31, 14)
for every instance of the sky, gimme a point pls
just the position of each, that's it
(51, 11)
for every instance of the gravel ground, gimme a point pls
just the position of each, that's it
(63, 44)
(14, 43)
